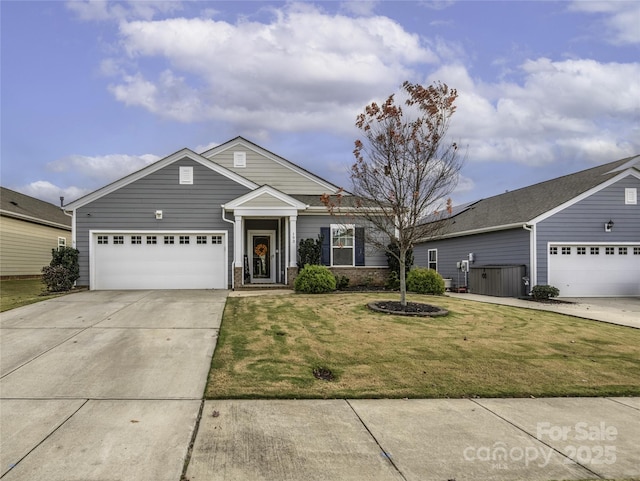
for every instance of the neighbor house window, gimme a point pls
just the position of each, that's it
(118, 239)
(168, 239)
(432, 256)
(62, 242)
(103, 239)
(151, 239)
(216, 239)
(342, 245)
(136, 239)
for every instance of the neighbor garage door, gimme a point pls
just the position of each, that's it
(595, 270)
(178, 260)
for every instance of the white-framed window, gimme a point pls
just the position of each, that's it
(201, 239)
(62, 242)
(216, 239)
(566, 251)
(184, 239)
(581, 251)
(186, 175)
(169, 239)
(103, 239)
(631, 196)
(342, 245)
(622, 251)
(595, 251)
(609, 251)
(553, 250)
(151, 239)
(118, 239)
(136, 239)
(432, 259)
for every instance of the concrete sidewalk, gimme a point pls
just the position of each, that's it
(418, 440)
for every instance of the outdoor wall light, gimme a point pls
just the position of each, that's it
(608, 227)
(158, 214)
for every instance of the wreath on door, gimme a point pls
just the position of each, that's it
(261, 250)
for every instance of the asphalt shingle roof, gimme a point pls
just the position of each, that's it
(525, 204)
(15, 204)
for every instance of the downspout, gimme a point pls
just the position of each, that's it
(533, 274)
(233, 263)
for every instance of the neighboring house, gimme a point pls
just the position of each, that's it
(579, 233)
(228, 217)
(29, 229)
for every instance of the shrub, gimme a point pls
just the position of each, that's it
(63, 270)
(310, 251)
(425, 281)
(314, 279)
(342, 282)
(393, 281)
(57, 278)
(544, 292)
(394, 264)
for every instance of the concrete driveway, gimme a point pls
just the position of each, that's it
(104, 384)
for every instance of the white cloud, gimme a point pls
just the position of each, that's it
(359, 7)
(45, 190)
(621, 19)
(102, 10)
(100, 170)
(305, 69)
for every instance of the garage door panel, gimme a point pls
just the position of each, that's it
(159, 266)
(612, 270)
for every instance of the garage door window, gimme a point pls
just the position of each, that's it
(184, 239)
(609, 251)
(636, 251)
(201, 239)
(136, 239)
(216, 239)
(566, 251)
(168, 239)
(595, 251)
(151, 239)
(622, 251)
(553, 251)
(103, 239)
(118, 239)
(581, 251)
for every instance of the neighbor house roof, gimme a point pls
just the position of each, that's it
(21, 206)
(525, 205)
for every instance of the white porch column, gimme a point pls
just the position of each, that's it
(292, 241)
(238, 241)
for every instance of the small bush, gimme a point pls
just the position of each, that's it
(315, 280)
(57, 278)
(425, 281)
(67, 257)
(545, 292)
(342, 282)
(310, 251)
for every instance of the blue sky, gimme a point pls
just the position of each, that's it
(93, 90)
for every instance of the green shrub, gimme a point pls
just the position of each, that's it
(315, 280)
(425, 281)
(310, 251)
(544, 292)
(57, 278)
(342, 282)
(63, 270)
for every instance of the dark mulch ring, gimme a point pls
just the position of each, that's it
(411, 309)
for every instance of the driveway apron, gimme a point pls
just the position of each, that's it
(104, 385)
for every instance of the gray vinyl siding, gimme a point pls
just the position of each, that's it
(184, 207)
(263, 170)
(308, 227)
(584, 222)
(493, 248)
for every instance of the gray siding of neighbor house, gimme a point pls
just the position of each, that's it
(493, 248)
(308, 227)
(584, 222)
(184, 207)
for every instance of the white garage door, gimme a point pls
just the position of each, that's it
(158, 261)
(595, 270)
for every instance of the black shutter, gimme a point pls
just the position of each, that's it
(325, 258)
(359, 246)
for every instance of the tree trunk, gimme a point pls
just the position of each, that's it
(403, 279)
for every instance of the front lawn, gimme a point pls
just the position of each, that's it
(22, 292)
(269, 346)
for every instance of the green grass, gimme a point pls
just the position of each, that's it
(268, 347)
(21, 293)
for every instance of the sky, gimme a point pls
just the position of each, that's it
(93, 90)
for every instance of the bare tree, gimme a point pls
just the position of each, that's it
(405, 169)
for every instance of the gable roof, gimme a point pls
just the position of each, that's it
(260, 177)
(21, 206)
(533, 203)
(177, 156)
(265, 197)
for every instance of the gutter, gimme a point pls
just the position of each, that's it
(233, 262)
(34, 220)
(483, 230)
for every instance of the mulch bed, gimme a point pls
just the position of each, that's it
(411, 309)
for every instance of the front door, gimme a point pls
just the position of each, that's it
(262, 256)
